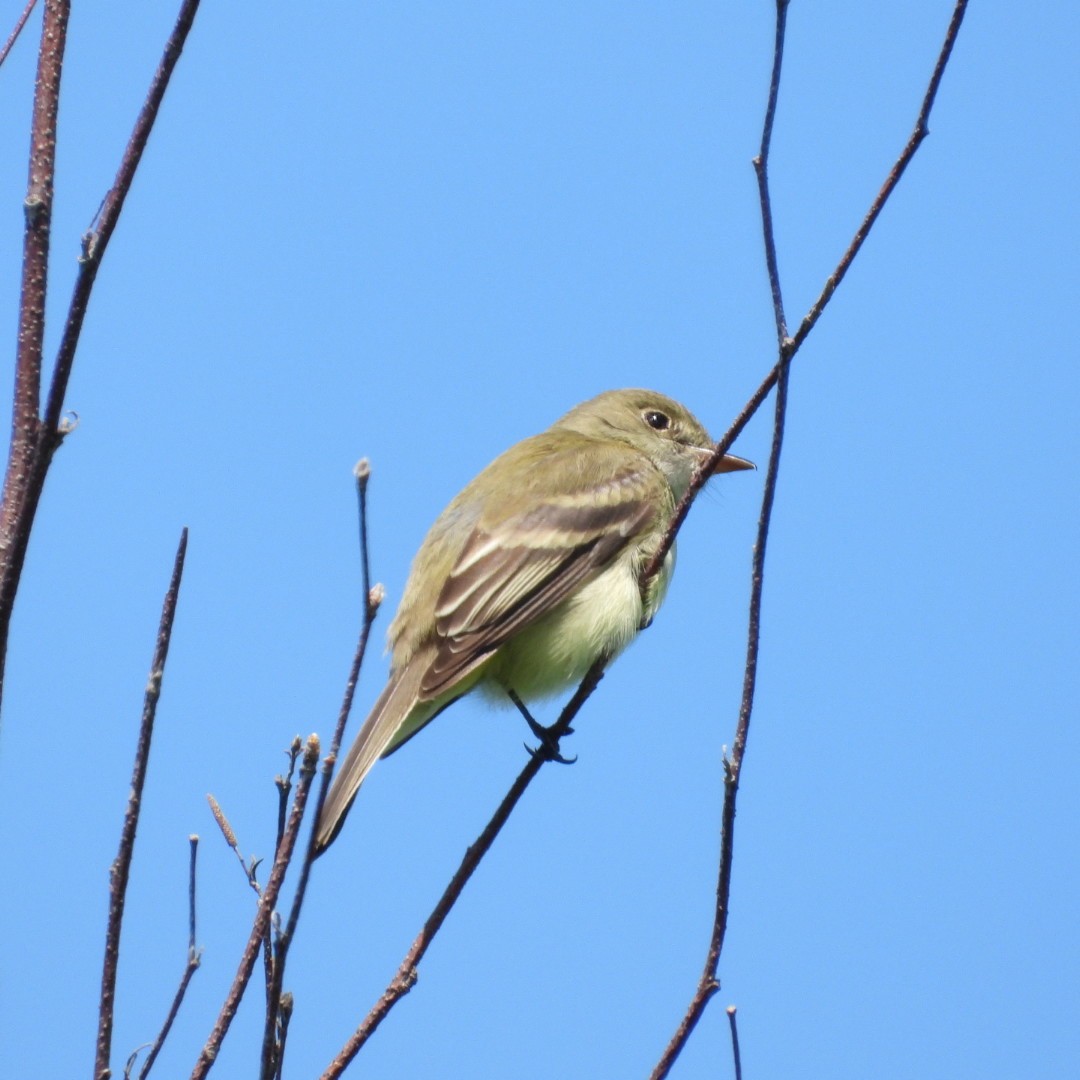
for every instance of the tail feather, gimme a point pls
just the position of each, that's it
(390, 714)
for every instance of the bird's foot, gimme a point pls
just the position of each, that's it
(549, 740)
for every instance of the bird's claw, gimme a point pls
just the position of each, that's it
(549, 750)
(549, 743)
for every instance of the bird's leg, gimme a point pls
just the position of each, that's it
(549, 744)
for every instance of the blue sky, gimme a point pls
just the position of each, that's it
(420, 232)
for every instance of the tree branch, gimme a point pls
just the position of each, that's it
(267, 902)
(406, 976)
(194, 959)
(25, 425)
(121, 867)
(708, 984)
(279, 1005)
(34, 440)
(14, 35)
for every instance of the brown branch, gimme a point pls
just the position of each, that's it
(262, 918)
(14, 35)
(279, 1006)
(25, 423)
(922, 129)
(34, 440)
(97, 239)
(407, 974)
(762, 392)
(709, 983)
(121, 867)
(194, 959)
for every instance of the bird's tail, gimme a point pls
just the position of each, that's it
(390, 721)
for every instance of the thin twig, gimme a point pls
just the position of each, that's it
(262, 918)
(194, 959)
(922, 129)
(406, 975)
(284, 786)
(14, 35)
(34, 440)
(121, 867)
(276, 1024)
(736, 1056)
(762, 392)
(709, 983)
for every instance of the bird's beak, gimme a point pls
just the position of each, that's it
(731, 463)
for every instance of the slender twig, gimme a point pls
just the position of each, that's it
(194, 959)
(709, 983)
(34, 440)
(922, 129)
(761, 169)
(276, 1023)
(262, 918)
(809, 321)
(284, 786)
(14, 35)
(96, 240)
(121, 867)
(736, 1056)
(406, 975)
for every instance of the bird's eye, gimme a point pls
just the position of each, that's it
(658, 421)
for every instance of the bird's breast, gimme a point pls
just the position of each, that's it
(603, 616)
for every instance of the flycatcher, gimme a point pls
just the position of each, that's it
(531, 573)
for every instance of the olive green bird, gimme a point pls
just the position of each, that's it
(531, 573)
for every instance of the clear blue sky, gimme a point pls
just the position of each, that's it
(420, 232)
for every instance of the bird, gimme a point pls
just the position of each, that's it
(532, 571)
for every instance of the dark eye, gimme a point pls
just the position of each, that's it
(658, 421)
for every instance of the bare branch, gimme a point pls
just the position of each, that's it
(762, 392)
(14, 35)
(406, 976)
(262, 918)
(276, 1022)
(19, 498)
(34, 440)
(709, 983)
(121, 867)
(736, 1056)
(96, 240)
(194, 959)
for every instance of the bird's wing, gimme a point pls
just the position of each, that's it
(510, 574)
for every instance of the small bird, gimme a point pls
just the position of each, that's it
(531, 573)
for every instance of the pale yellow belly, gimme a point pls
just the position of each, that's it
(555, 653)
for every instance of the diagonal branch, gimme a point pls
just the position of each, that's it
(34, 439)
(16, 31)
(121, 868)
(267, 903)
(406, 976)
(809, 321)
(709, 983)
